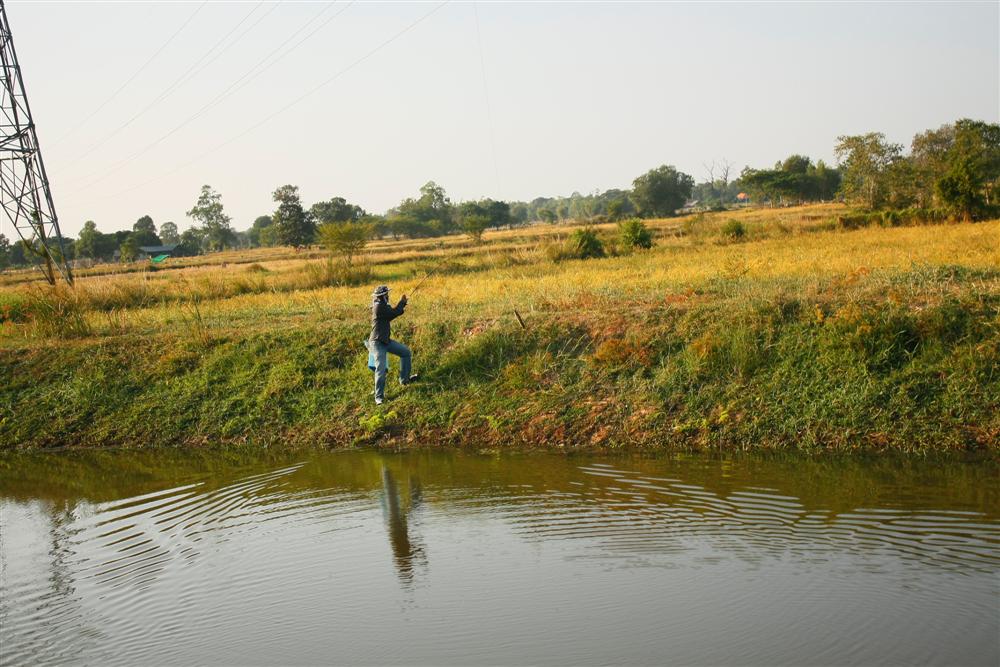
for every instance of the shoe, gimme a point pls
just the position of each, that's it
(413, 378)
(379, 401)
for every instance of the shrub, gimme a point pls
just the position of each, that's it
(853, 221)
(474, 226)
(734, 230)
(635, 234)
(891, 219)
(345, 238)
(586, 243)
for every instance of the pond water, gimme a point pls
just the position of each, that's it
(217, 557)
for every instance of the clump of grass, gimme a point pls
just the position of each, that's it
(257, 268)
(586, 243)
(336, 273)
(194, 322)
(117, 321)
(119, 292)
(583, 243)
(14, 307)
(58, 312)
(734, 230)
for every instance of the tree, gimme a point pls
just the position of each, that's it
(661, 191)
(346, 238)
(495, 213)
(432, 214)
(129, 249)
(192, 242)
(336, 210)
(17, 254)
(215, 230)
(498, 212)
(5, 261)
(519, 214)
(970, 184)
(795, 164)
(169, 234)
(145, 231)
(474, 225)
(269, 237)
(144, 224)
(254, 233)
(296, 226)
(865, 161)
(547, 215)
(88, 243)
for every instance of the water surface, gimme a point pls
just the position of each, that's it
(450, 558)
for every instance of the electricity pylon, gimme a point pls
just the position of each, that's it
(24, 188)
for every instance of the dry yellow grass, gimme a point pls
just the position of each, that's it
(795, 247)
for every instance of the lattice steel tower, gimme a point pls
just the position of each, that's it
(24, 188)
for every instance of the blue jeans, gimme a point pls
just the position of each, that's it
(381, 352)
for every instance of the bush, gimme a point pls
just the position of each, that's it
(635, 234)
(891, 219)
(734, 230)
(345, 238)
(474, 226)
(586, 243)
(853, 221)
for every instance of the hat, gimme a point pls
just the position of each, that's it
(381, 290)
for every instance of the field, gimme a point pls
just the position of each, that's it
(796, 334)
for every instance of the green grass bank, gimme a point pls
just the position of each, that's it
(895, 359)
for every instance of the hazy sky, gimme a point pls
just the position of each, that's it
(581, 96)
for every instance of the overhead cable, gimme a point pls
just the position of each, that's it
(259, 68)
(139, 71)
(486, 95)
(291, 104)
(188, 74)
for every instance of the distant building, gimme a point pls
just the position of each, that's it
(147, 251)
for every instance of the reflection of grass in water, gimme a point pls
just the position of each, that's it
(835, 484)
(797, 336)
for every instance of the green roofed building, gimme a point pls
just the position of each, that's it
(149, 251)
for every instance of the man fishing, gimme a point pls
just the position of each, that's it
(380, 343)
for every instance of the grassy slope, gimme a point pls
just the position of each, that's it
(801, 336)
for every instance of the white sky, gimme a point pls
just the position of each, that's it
(582, 96)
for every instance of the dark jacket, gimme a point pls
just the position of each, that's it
(382, 314)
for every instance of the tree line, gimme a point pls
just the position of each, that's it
(952, 171)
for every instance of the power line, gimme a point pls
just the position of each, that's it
(486, 95)
(259, 68)
(188, 74)
(134, 74)
(291, 104)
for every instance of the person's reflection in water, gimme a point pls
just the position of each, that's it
(405, 553)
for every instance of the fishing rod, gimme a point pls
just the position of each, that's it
(424, 279)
